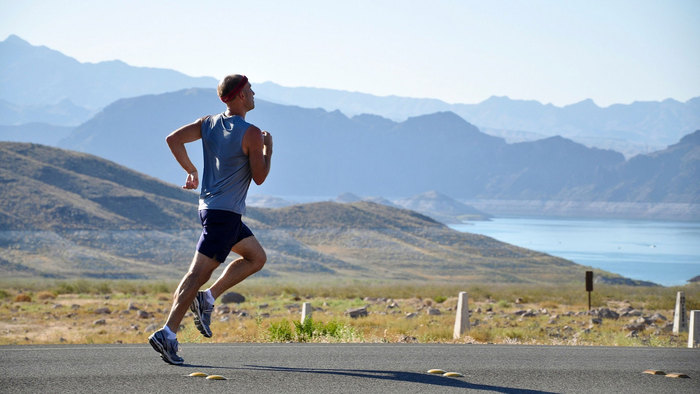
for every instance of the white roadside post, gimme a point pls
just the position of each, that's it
(694, 329)
(305, 311)
(462, 318)
(680, 320)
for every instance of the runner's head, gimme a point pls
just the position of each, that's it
(231, 86)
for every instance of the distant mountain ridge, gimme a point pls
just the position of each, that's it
(36, 75)
(645, 125)
(326, 153)
(72, 91)
(66, 214)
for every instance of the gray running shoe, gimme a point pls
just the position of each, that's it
(202, 310)
(166, 347)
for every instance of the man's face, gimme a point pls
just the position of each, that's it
(249, 100)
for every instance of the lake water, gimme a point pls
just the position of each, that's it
(667, 253)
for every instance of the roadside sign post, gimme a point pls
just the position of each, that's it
(589, 287)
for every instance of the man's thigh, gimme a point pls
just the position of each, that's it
(249, 248)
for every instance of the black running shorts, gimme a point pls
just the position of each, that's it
(221, 230)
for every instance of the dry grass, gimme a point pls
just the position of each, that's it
(68, 312)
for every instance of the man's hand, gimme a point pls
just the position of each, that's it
(267, 141)
(192, 181)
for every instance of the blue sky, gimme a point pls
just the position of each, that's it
(558, 52)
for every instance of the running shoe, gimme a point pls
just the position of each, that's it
(202, 310)
(166, 347)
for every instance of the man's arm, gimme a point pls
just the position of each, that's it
(257, 145)
(176, 141)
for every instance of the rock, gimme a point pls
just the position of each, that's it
(433, 311)
(223, 309)
(635, 326)
(103, 311)
(232, 297)
(411, 315)
(263, 306)
(357, 312)
(525, 313)
(75, 306)
(606, 313)
(132, 307)
(143, 314)
(264, 315)
(657, 316)
(597, 320)
(224, 318)
(630, 312)
(152, 328)
(134, 327)
(392, 305)
(100, 322)
(519, 300)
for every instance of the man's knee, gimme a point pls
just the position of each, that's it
(259, 260)
(201, 268)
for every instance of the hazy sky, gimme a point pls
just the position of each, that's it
(556, 51)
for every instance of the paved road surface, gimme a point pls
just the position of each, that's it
(344, 368)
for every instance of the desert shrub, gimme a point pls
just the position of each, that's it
(304, 331)
(280, 331)
(4, 294)
(440, 299)
(23, 298)
(481, 334)
(46, 295)
(503, 304)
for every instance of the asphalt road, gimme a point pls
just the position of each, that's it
(347, 368)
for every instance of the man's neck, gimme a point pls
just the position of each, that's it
(235, 111)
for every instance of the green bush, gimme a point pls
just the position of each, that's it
(304, 331)
(280, 331)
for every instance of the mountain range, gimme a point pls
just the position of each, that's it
(37, 76)
(639, 127)
(323, 153)
(68, 214)
(320, 153)
(71, 92)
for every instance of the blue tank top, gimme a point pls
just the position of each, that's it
(227, 173)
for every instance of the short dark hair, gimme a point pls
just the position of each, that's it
(229, 83)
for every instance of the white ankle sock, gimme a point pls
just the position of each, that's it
(169, 333)
(210, 298)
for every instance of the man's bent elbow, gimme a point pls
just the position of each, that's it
(259, 179)
(171, 140)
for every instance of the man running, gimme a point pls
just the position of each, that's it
(234, 153)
